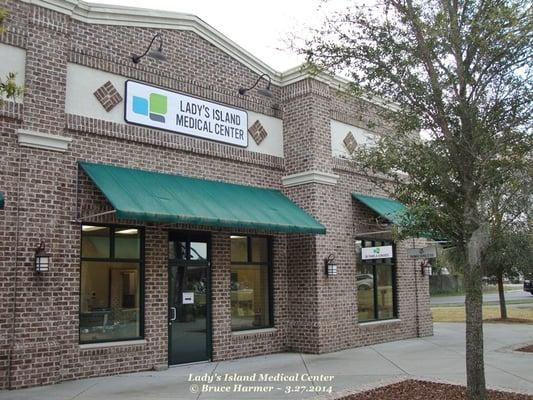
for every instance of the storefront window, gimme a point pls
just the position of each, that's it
(250, 283)
(239, 249)
(127, 243)
(375, 284)
(198, 251)
(111, 284)
(96, 242)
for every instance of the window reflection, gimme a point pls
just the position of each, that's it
(110, 292)
(365, 292)
(250, 307)
(109, 301)
(198, 250)
(259, 249)
(384, 291)
(375, 284)
(95, 242)
(239, 249)
(127, 243)
(177, 250)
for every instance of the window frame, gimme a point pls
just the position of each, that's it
(270, 276)
(112, 259)
(374, 263)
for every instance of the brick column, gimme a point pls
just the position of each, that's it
(46, 70)
(156, 297)
(413, 290)
(46, 304)
(8, 241)
(307, 127)
(220, 292)
(307, 147)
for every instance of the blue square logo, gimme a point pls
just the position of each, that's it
(140, 105)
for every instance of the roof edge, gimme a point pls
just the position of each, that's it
(92, 13)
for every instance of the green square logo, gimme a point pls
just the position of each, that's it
(158, 103)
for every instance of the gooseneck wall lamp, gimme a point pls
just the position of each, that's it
(264, 92)
(157, 54)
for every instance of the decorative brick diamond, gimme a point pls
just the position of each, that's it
(350, 143)
(258, 132)
(108, 96)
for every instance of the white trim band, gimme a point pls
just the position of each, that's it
(45, 141)
(112, 344)
(369, 324)
(254, 331)
(303, 178)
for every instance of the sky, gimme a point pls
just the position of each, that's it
(262, 27)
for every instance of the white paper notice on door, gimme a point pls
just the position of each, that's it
(188, 298)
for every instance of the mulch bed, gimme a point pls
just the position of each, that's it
(527, 349)
(422, 390)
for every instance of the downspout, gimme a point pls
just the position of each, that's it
(15, 281)
(416, 295)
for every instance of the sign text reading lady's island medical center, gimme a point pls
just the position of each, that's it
(162, 109)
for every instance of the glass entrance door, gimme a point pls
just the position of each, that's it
(189, 298)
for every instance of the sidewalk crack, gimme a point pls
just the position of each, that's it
(84, 390)
(392, 362)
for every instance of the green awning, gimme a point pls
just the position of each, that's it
(159, 197)
(1, 200)
(392, 210)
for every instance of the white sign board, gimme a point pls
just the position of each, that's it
(188, 298)
(426, 252)
(370, 253)
(175, 112)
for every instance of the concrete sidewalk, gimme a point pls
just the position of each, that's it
(441, 356)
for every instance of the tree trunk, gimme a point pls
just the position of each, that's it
(503, 307)
(475, 367)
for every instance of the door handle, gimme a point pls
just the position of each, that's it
(173, 314)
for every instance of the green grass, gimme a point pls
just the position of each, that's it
(488, 303)
(456, 313)
(447, 294)
(486, 290)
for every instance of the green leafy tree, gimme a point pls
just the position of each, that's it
(509, 255)
(508, 210)
(8, 86)
(460, 72)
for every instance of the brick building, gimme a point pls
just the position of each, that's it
(182, 221)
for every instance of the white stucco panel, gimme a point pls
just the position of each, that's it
(339, 130)
(82, 82)
(13, 60)
(273, 143)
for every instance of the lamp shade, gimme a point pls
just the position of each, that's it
(331, 265)
(42, 259)
(158, 55)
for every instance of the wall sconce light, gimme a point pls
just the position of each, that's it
(157, 54)
(331, 265)
(42, 259)
(264, 92)
(426, 269)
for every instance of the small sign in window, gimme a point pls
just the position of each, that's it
(188, 298)
(371, 253)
